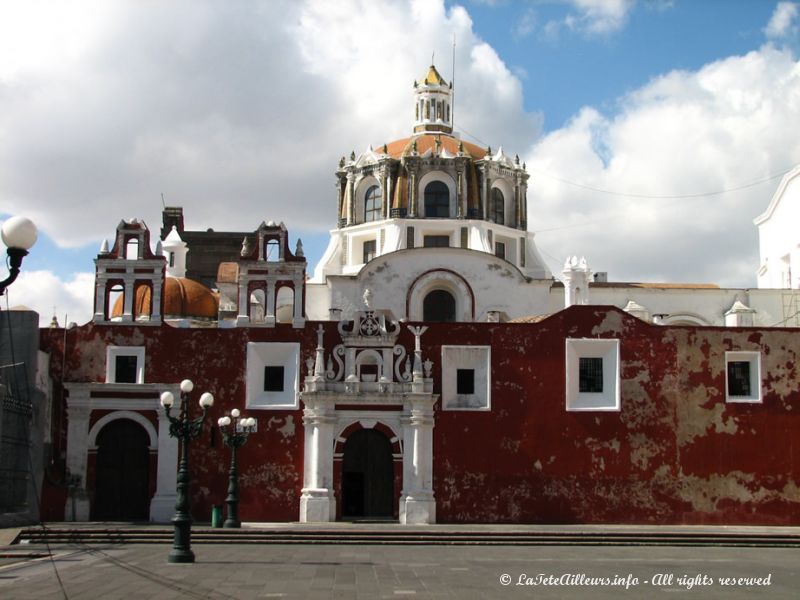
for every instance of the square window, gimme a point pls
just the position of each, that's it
(465, 381)
(125, 368)
(466, 378)
(590, 375)
(125, 364)
(499, 249)
(273, 375)
(273, 379)
(739, 378)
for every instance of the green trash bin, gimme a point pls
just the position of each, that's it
(216, 515)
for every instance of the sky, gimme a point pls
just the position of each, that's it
(654, 131)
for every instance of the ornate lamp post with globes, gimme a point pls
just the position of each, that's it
(185, 429)
(19, 235)
(234, 440)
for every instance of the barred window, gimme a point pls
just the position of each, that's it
(590, 375)
(739, 378)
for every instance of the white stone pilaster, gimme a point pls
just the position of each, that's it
(243, 318)
(162, 505)
(417, 503)
(77, 507)
(317, 502)
(269, 315)
(298, 321)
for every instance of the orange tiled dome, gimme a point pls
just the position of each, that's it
(427, 141)
(182, 298)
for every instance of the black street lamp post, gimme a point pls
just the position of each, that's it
(234, 440)
(184, 429)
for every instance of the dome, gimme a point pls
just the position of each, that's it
(182, 298)
(427, 141)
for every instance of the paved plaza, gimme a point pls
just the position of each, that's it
(359, 572)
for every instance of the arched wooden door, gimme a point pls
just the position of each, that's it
(367, 476)
(122, 472)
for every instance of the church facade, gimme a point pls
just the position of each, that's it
(432, 369)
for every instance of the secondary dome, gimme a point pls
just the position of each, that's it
(182, 298)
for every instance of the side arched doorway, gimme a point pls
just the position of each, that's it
(122, 472)
(367, 476)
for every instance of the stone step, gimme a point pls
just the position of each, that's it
(403, 536)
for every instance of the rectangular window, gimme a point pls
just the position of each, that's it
(464, 237)
(590, 375)
(369, 250)
(436, 241)
(125, 368)
(465, 381)
(739, 378)
(743, 376)
(499, 249)
(273, 379)
(409, 237)
(490, 234)
(171, 259)
(522, 252)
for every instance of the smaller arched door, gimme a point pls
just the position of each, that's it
(122, 472)
(367, 476)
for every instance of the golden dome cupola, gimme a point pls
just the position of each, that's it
(433, 104)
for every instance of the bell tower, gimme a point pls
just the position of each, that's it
(433, 104)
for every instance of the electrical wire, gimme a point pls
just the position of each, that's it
(721, 192)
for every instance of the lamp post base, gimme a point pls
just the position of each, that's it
(181, 556)
(231, 524)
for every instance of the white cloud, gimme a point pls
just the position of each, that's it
(238, 111)
(731, 122)
(602, 16)
(47, 294)
(783, 23)
(525, 25)
(592, 17)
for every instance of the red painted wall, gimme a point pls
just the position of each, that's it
(674, 453)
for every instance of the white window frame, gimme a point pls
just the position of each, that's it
(608, 350)
(478, 358)
(112, 352)
(268, 354)
(754, 358)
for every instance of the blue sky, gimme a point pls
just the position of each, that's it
(240, 111)
(571, 69)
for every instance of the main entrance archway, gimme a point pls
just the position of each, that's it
(367, 476)
(122, 472)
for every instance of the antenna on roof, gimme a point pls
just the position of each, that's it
(164, 204)
(432, 55)
(453, 87)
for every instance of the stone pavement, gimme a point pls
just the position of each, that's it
(312, 571)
